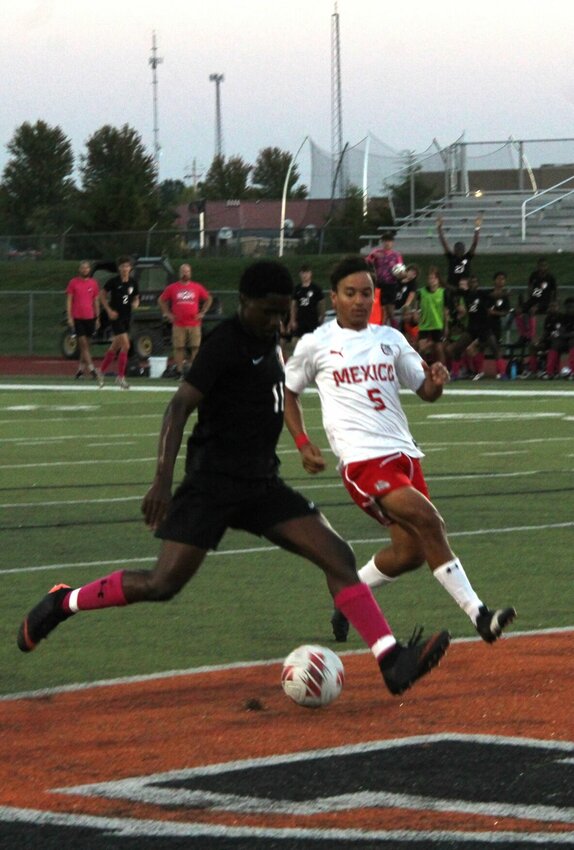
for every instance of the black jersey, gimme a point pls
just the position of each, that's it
(501, 303)
(541, 290)
(403, 292)
(121, 295)
(241, 415)
(458, 267)
(477, 304)
(307, 299)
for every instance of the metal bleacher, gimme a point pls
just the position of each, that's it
(547, 225)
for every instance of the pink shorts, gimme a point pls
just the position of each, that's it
(368, 480)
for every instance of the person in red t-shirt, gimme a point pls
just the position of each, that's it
(184, 304)
(82, 308)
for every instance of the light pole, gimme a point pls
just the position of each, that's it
(218, 79)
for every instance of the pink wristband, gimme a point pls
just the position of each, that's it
(302, 440)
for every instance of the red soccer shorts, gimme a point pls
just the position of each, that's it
(369, 480)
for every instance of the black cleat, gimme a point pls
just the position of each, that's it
(489, 624)
(43, 618)
(405, 664)
(340, 626)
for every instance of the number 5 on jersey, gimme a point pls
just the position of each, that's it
(377, 399)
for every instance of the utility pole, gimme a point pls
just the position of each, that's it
(194, 174)
(218, 79)
(336, 107)
(154, 61)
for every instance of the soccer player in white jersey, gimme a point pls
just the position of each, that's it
(358, 369)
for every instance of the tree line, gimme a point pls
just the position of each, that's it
(117, 189)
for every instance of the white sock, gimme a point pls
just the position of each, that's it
(369, 574)
(454, 580)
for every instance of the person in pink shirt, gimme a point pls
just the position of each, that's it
(389, 270)
(82, 308)
(185, 304)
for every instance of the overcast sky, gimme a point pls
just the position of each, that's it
(412, 71)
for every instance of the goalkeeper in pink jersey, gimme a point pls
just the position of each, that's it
(358, 369)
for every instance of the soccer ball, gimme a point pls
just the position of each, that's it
(398, 269)
(312, 676)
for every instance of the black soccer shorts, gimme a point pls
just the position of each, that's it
(204, 507)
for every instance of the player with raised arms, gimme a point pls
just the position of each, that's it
(358, 369)
(236, 384)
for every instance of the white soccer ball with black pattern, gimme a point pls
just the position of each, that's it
(398, 269)
(312, 676)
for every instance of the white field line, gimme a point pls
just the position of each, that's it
(505, 394)
(478, 532)
(285, 441)
(236, 665)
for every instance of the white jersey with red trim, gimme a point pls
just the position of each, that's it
(358, 375)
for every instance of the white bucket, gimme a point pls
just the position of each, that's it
(157, 366)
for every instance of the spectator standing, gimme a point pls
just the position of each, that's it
(307, 306)
(119, 296)
(433, 318)
(542, 290)
(458, 338)
(383, 260)
(185, 304)
(83, 313)
(458, 258)
(558, 339)
(405, 304)
(479, 304)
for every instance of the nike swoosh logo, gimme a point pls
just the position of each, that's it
(256, 360)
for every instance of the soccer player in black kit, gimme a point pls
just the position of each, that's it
(119, 295)
(236, 384)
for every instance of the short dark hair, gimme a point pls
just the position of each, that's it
(348, 265)
(305, 268)
(121, 260)
(388, 236)
(265, 276)
(495, 275)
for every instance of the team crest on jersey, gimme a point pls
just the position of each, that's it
(386, 349)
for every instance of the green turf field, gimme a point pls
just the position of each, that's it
(76, 461)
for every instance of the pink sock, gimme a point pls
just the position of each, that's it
(105, 592)
(571, 360)
(455, 368)
(122, 363)
(500, 366)
(360, 608)
(107, 361)
(479, 363)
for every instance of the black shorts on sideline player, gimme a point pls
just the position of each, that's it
(84, 327)
(120, 326)
(205, 506)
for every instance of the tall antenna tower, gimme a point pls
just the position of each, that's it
(218, 79)
(336, 106)
(154, 61)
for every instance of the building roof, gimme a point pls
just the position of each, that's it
(259, 215)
